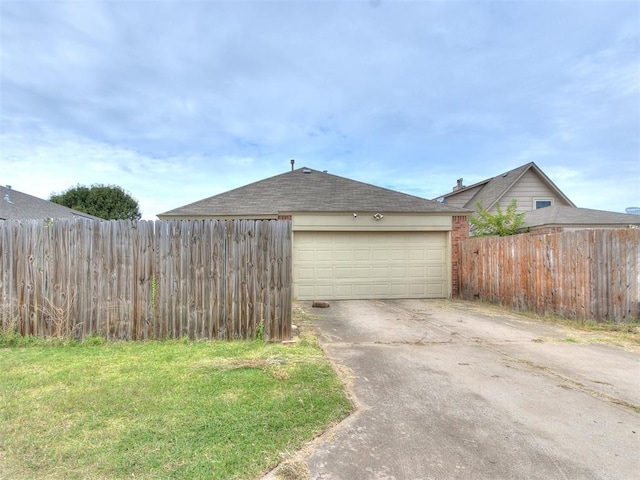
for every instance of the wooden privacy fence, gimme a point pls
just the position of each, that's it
(146, 280)
(585, 274)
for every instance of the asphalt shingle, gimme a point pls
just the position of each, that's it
(308, 190)
(16, 205)
(492, 190)
(561, 215)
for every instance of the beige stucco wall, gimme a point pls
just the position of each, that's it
(365, 221)
(218, 217)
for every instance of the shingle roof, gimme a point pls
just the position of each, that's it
(308, 190)
(557, 215)
(496, 187)
(15, 205)
(493, 189)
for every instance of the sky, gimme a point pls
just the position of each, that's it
(176, 101)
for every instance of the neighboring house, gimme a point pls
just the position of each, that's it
(16, 205)
(527, 184)
(558, 218)
(350, 239)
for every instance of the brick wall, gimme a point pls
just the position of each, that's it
(459, 233)
(546, 230)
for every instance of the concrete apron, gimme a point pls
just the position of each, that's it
(460, 390)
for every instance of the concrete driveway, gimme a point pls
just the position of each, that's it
(450, 389)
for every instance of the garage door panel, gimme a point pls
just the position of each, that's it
(303, 273)
(378, 254)
(320, 239)
(344, 265)
(324, 255)
(435, 272)
(417, 254)
(343, 291)
(375, 239)
(364, 272)
(436, 255)
(305, 255)
(435, 289)
(378, 289)
(417, 271)
(324, 273)
(324, 291)
(400, 272)
(398, 254)
(306, 291)
(343, 272)
(374, 272)
(418, 290)
(397, 289)
(361, 255)
(343, 255)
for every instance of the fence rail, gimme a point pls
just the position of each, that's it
(146, 280)
(587, 274)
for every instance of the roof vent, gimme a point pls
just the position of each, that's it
(6, 195)
(632, 210)
(306, 170)
(459, 185)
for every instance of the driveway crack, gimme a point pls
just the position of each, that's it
(566, 380)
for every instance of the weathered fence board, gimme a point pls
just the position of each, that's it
(146, 280)
(585, 274)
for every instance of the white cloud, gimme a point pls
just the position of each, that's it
(179, 101)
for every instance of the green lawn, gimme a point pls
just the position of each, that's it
(227, 410)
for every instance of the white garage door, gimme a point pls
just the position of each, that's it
(364, 265)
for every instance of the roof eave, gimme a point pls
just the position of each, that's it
(552, 185)
(463, 189)
(512, 183)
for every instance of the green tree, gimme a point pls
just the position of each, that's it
(501, 223)
(105, 201)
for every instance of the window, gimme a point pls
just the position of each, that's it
(542, 202)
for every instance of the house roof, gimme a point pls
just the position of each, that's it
(561, 215)
(308, 190)
(15, 205)
(493, 189)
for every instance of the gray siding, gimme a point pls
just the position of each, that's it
(528, 189)
(460, 199)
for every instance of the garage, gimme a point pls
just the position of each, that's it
(365, 265)
(351, 240)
